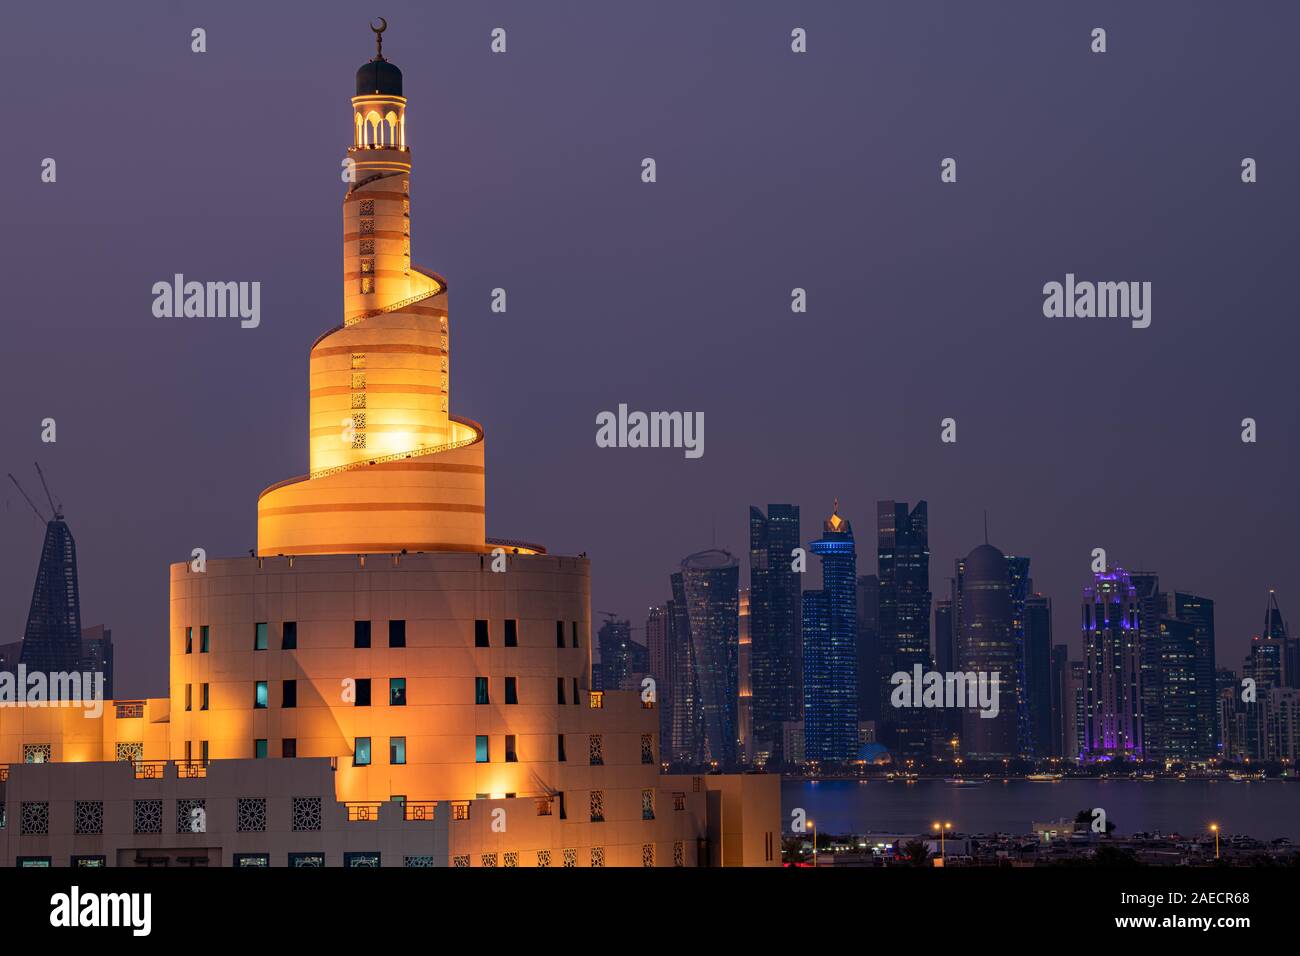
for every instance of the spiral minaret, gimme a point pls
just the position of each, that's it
(390, 468)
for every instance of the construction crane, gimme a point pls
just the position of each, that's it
(57, 509)
(44, 520)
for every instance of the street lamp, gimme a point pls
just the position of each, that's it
(941, 830)
(1214, 828)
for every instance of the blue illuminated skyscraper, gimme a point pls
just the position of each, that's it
(830, 660)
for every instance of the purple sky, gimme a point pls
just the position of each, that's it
(775, 171)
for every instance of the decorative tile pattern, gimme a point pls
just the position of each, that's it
(88, 816)
(598, 806)
(35, 817)
(511, 859)
(250, 814)
(417, 861)
(570, 858)
(647, 748)
(146, 816)
(597, 856)
(132, 750)
(596, 749)
(543, 857)
(647, 804)
(679, 853)
(461, 861)
(37, 753)
(647, 854)
(191, 816)
(306, 813)
(488, 859)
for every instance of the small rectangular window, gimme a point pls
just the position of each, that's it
(259, 748)
(512, 633)
(559, 633)
(481, 749)
(259, 636)
(189, 696)
(559, 690)
(203, 697)
(203, 750)
(560, 749)
(361, 752)
(481, 691)
(397, 750)
(189, 640)
(396, 633)
(512, 690)
(203, 639)
(397, 692)
(289, 747)
(575, 690)
(259, 696)
(360, 633)
(480, 633)
(363, 692)
(289, 636)
(575, 633)
(511, 755)
(289, 693)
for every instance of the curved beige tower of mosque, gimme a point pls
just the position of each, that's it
(375, 630)
(391, 469)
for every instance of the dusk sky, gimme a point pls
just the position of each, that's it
(775, 171)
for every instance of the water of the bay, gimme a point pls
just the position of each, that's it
(1264, 810)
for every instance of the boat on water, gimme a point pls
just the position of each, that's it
(962, 782)
(1045, 777)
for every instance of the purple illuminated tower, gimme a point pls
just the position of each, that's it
(1112, 692)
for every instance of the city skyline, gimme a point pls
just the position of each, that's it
(925, 296)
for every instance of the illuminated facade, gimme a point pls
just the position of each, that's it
(379, 627)
(1112, 689)
(830, 660)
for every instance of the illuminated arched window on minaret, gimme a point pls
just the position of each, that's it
(358, 140)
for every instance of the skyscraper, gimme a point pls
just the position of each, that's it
(1112, 668)
(1038, 668)
(830, 647)
(903, 566)
(948, 720)
(774, 602)
(660, 643)
(1199, 612)
(623, 662)
(1020, 586)
(707, 588)
(744, 673)
(1062, 703)
(52, 639)
(987, 646)
(868, 648)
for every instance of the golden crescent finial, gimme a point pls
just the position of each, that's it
(382, 28)
(379, 37)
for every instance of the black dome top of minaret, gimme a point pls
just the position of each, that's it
(379, 76)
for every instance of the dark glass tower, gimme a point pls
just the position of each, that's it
(774, 611)
(1199, 612)
(987, 646)
(830, 647)
(1020, 585)
(52, 640)
(1039, 675)
(707, 588)
(903, 567)
(868, 647)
